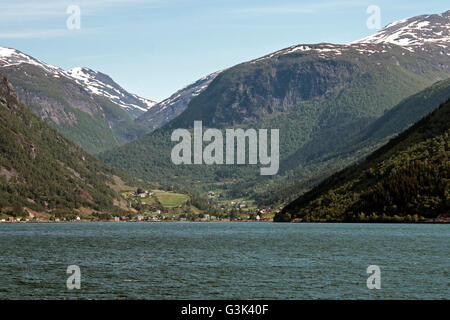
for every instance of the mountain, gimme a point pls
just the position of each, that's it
(44, 175)
(278, 81)
(408, 179)
(80, 103)
(414, 32)
(318, 96)
(170, 108)
(101, 84)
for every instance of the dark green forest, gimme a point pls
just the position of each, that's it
(407, 180)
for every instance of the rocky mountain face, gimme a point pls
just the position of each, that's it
(318, 95)
(43, 175)
(170, 108)
(94, 114)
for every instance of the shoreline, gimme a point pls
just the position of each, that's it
(235, 221)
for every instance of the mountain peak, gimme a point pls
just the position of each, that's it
(101, 84)
(415, 31)
(12, 57)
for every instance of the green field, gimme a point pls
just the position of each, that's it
(170, 199)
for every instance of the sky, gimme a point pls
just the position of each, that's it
(155, 47)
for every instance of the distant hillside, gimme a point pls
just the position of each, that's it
(321, 155)
(406, 180)
(42, 174)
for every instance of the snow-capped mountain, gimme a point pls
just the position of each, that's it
(86, 106)
(173, 106)
(415, 31)
(408, 33)
(101, 84)
(11, 57)
(92, 81)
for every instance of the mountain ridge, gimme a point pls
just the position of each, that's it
(368, 45)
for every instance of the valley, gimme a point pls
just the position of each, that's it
(335, 106)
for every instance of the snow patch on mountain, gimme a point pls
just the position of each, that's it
(101, 84)
(11, 57)
(189, 91)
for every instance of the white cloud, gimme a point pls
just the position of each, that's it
(33, 12)
(299, 8)
(42, 10)
(48, 33)
(34, 34)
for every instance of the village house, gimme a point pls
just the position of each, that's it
(142, 193)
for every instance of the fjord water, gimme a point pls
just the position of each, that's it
(224, 260)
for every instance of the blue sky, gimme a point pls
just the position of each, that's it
(155, 47)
